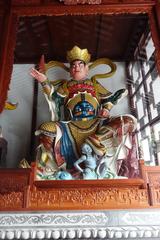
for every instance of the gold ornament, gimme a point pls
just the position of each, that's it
(47, 128)
(10, 106)
(78, 54)
(104, 61)
(80, 97)
(24, 164)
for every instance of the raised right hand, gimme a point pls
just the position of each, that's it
(40, 77)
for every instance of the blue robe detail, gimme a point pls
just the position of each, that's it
(67, 146)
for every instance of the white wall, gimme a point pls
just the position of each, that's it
(16, 124)
(114, 83)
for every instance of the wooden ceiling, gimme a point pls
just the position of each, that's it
(114, 37)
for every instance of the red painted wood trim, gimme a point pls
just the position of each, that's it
(155, 36)
(82, 9)
(8, 41)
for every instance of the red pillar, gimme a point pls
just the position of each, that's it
(158, 15)
(7, 45)
(155, 32)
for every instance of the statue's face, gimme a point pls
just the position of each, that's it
(86, 148)
(83, 110)
(78, 70)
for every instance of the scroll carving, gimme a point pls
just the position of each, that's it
(87, 198)
(60, 218)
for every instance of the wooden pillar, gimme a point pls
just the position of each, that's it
(155, 35)
(7, 45)
(158, 15)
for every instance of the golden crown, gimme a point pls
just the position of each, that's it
(78, 54)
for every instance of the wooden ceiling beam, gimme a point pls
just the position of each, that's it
(51, 35)
(31, 34)
(61, 9)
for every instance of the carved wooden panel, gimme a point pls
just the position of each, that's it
(19, 190)
(87, 198)
(12, 200)
(75, 2)
(13, 184)
(87, 194)
(156, 197)
(13, 180)
(151, 174)
(82, 9)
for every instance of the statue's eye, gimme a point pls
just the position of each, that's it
(78, 109)
(73, 66)
(81, 64)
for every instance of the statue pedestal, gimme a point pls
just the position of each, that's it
(19, 190)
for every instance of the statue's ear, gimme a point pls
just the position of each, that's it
(87, 67)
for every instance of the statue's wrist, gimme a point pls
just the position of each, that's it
(105, 109)
(44, 83)
(108, 106)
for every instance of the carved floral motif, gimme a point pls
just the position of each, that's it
(81, 225)
(49, 220)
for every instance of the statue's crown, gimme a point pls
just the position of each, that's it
(78, 54)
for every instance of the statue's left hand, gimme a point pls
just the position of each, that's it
(104, 113)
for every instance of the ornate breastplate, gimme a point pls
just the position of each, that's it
(75, 87)
(82, 101)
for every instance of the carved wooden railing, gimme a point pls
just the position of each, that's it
(19, 190)
(151, 176)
